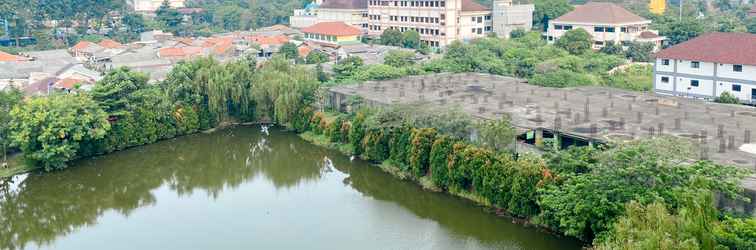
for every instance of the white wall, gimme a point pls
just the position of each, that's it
(466, 24)
(725, 71)
(665, 68)
(705, 87)
(665, 86)
(745, 90)
(705, 68)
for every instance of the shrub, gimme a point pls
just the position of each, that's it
(422, 141)
(357, 132)
(439, 157)
(727, 97)
(400, 146)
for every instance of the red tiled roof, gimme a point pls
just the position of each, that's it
(719, 47)
(82, 45)
(5, 57)
(110, 44)
(333, 29)
(603, 13)
(344, 4)
(179, 52)
(471, 5)
(268, 40)
(69, 83)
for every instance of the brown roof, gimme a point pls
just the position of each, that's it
(471, 5)
(603, 13)
(269, 40)
(344, 4)
(720, 47)
(333, 29)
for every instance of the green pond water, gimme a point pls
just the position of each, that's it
(239, 189)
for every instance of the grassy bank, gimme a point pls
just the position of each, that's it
(16, 165)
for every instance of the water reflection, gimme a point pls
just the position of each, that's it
(46, 207)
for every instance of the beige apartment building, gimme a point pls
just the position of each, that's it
(352, 12)
(439, 22)
(607, 23)
(152, 5)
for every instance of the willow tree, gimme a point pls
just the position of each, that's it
(281, 89)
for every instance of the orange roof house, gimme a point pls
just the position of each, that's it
(332, 33)
(268, 40)
(5, 57)
(110, 44)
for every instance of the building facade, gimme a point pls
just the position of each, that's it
(439, 22)
(508, 17)
(152, 5)
(707, 66)
(352, 12)
(607, 23)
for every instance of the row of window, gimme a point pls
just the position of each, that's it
(479, 19)
(320, 37)
(696, 65)
(697, 83)
(480, 30)
(408, 3)
(430, 43)
(419, 19)
(562, 27)
(422, 31)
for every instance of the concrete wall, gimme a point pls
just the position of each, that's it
(472, 22)
(508, 17)
(726, 71)
(704, 69)
(684, 87)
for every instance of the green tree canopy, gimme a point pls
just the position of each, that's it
(391, 37)
(399, 58)
(411, 39)
(575, 41)
(49, 130)
(547, 10)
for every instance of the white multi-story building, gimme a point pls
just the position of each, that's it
(607, 23)
(352, 12)
(508, 17)
(707, 66)
(152, 5)
(439, 22)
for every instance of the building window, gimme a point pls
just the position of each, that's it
(598, 29)
(567, 27)
(610, 29)
(558, 27)
(665, 62)
(623, 29)
(737, 68)
(736, 88)
(694, 83)
(665, 79)
(695, 65)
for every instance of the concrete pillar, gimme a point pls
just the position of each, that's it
(539, 137)
(557, 141)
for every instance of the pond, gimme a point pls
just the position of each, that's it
(240, 189)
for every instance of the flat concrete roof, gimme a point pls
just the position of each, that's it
(593, 113)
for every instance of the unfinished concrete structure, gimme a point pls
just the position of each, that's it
(583, 115)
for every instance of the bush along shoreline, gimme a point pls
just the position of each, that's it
(638, 195)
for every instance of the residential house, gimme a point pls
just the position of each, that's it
(5, 57)
(332, 33)
(707, 66)
(306, 17)
(41, 64)
(606, 23)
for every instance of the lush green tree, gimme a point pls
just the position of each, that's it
(346, 67)
(640, 52)
(497, 135)
(376, 72)
(588, 204)
(134, 23)
(316, 57)
(289, 50)
(575, 41)
(612, 48)
(652, 226)
(399, 58)
(678, 31)
(391, 37)
(736, 233)
(49, 130)
(168, 17)
(8, 99)
(113, 91)
(546, 10)
(411, 39)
